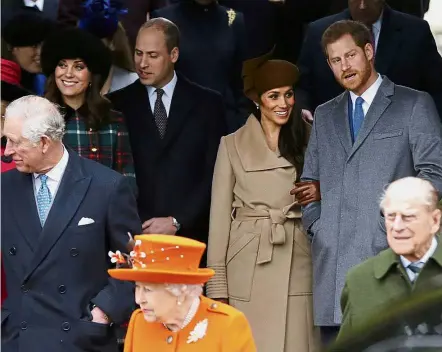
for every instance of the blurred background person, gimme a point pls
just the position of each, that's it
(45, 8)
(405, 51)
(22, 37)
(257, 245)
(77, 64)
(413, 259)
(173, 312)
(212, 50)
(101, 18)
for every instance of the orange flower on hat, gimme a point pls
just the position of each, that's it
(117, 257)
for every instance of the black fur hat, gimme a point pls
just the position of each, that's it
(27, 29)
(73, 43)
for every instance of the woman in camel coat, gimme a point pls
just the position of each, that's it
(257, 246)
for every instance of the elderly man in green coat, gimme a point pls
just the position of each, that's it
(412, 220)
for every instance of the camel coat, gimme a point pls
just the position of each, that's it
(257, 245)
(227, 331)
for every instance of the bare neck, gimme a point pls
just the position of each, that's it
(271, 133)
(52, 158)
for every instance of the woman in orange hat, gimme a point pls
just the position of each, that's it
(173, 314)
(257, 245)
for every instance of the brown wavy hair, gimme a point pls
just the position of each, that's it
(98, 107)
(122, 55)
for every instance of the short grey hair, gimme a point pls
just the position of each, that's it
(408, 188)
(188, 290)
(41, 118)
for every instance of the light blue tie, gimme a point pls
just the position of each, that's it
(358, 117)
(44, 199)
(416, 268)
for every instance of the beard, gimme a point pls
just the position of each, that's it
(354, 80)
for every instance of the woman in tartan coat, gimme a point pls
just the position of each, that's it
(77, 64)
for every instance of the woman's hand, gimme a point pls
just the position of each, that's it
(306, 192)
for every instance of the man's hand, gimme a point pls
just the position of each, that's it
(306, 192)
(98, 316)
(160, 226)
(307, 116)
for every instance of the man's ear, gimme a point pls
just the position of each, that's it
(174, 54)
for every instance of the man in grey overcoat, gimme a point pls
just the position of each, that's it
(370, 135)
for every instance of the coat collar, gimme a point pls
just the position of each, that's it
(253, 151)
(387, 259)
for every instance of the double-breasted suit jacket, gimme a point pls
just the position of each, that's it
(400, 136)
(257, 246)
(174, 174)
(55, 273)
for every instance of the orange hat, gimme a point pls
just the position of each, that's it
(162, 259)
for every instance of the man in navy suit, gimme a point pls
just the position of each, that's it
(61, 215)
(175, 127)
(405, 51)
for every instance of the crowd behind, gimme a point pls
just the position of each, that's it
(299, 142)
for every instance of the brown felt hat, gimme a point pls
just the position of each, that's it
(262, 74)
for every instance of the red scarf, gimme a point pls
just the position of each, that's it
(11, 72)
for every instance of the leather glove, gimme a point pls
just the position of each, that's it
(307, 192)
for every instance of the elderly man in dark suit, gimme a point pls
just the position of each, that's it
(370, 135)
(414, 258)
(175, 127)
(405, 51)
(61, 215)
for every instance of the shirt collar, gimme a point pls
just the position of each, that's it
(38, 3)
(424, 259)
(370, 93)
(168, 88)
(378, 24)
(56, 173)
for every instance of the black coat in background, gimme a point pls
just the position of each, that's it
(406, 54)
(212, 52)
(174, 174)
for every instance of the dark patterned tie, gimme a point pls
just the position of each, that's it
(160, 113)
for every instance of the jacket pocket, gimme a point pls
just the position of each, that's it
(241, 262)
(390, 134)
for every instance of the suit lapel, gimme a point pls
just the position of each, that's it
(182, 102)
(374, 113)
(389, 39)
(72, 190)
(341, 121)
(28, 221)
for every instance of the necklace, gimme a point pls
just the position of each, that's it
(189, 316)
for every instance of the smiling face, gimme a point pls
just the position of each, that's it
(410, 226)
(28, 57)
(72, 77)
(156, 302)
(352, 65)
(277, 105)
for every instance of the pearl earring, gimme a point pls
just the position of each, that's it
(179, 303)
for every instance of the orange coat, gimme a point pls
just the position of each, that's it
(227, 331)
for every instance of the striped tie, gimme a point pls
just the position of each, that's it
(416, 268)
(44, 199)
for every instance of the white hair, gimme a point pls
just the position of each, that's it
(188, 290)
(411, 188)
(41, 118)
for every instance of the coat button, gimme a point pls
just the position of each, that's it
(66, 326)
(214, 306)
(12, 251)
(169, 339)
(62, 289)
(24, 288)
(23, 325)
(74, 252)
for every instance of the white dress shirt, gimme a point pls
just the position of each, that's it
(376, 29)
(368, 95)
(54, 176)
(167, 96)
(423, 260)
(31, 3)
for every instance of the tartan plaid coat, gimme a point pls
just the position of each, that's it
(109, 145)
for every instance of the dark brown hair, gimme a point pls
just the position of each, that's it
(122, 55)
(170, 30)
(98, 107)
(358, 31)
(293, 139)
